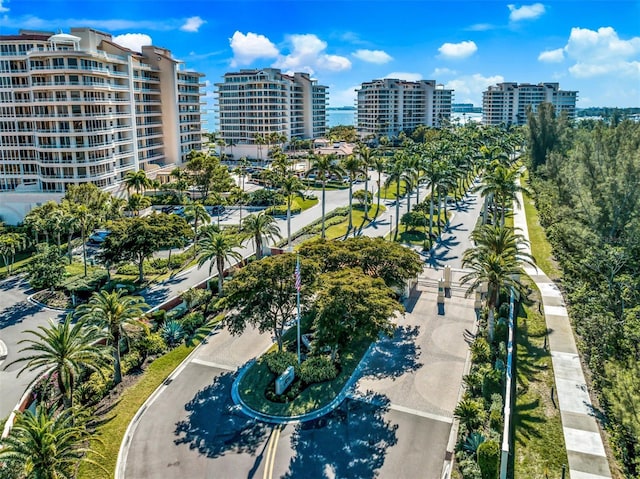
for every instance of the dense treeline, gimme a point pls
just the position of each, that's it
(587, 185)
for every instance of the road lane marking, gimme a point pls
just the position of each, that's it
(415, 412)
(271, 452)
(212, 364)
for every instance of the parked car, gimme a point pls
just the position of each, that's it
(217, 210)
(98, 236)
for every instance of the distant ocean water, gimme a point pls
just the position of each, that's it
(341, 117)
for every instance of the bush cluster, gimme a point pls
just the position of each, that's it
(317, 369)
(279, 361)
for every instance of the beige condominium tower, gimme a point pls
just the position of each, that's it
(78, 108)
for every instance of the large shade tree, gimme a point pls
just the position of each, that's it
(263, 294)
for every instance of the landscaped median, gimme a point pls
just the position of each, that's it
(255, 384)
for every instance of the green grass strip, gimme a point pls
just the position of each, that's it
(539, 449)
(112, 432)
(540, 246)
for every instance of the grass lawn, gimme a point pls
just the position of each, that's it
(22, 259)
(112, 431)
(539, 447)
(304, 204)
(389, 193)
(340, 230)
(540, 247)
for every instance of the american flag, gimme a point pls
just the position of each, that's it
(297, 275)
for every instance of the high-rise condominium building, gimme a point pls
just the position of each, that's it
(388, 106)
(507, 103)
(78, 108)
(262, 102)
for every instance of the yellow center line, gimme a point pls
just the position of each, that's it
(271, 452)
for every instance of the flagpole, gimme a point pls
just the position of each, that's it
(298, 281)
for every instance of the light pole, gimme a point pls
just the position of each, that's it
(390, 225)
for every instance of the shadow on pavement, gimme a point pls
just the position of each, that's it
(13, 282)
(393, 357)
(17, 313)
(350, 442)
(214, 425)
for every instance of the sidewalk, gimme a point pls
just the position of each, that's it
(585, 450)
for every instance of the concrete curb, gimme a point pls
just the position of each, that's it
(324, 410)
(3, 351)
(48, 308)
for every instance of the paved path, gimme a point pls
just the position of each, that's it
(585, 450)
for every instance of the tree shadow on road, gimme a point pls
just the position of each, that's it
(395, 356)
(17, 313)
(215, 426)
(350, 442)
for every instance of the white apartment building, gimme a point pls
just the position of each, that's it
(78, 108)
(261, 102)
(507, 103)
(388, 106)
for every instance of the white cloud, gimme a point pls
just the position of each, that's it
(443, 71)
(307, 54)
(525, 12)
(250, 47)
(458, 50)
(480, 27)
(405, 76)
(601, 52)
(469, 88)
(2, 7)
(133, 41)
(373, 56)
(192, 24)
(346, 97)
(552, 56)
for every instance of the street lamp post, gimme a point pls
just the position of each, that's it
(390, 225)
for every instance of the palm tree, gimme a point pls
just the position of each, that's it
(502, 184)
(494, 270)
(353, 166)
(10, 244)
(197, 213)
(500, 240)
(290, 187)
(470, 413)
(221, 248)
(136, 180)
(259, 228)
(85, 220)
(396, 173)
(366, 157)
(138, 202)
(47, 444)
(380, 165)
(323, 166)
(64, 350)
(69, 225)
(259, 140)
(113, 311)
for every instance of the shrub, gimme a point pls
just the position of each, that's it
(470, 413)
(172, 333)
(91, 282)
(317, 369)
(491, 383)
(159, 263)
(191, 322)
(158, 318)
(149, 345)
(472, 442)
(176, 313)
(195, 296)
(278, 361)
(128, 269)
(281, 210)
(98, 385)
(131, 361)
(469, 469)
(480, 351)
(495, 420)
(473, 382)
(489, 459)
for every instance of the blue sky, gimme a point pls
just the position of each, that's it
(589, 46)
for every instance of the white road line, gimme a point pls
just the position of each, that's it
(415, 412)
(212, 364)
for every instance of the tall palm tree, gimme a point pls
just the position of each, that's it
(379, 164)
(113, 311)
(502, 185)
(219, 248)
(259, 140)
(323, 166)
(69, 225)
(197, 213)
(366, 157)
(396, 173)
(353, 166)
(290, 187)
(10, 244)
(64, 350)
(260, 228)
(500, 240)
(136, 180)
(48, 444)
(138, 202)
(496, 271)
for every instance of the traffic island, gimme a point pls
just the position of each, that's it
(254, 389)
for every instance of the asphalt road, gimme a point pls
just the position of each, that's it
(396, 421)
